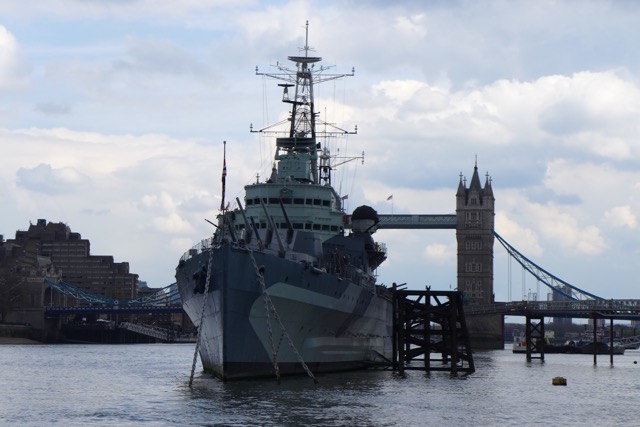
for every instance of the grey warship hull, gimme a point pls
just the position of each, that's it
(333, 323)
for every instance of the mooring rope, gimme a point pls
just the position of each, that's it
(269, 305)
(204, 302)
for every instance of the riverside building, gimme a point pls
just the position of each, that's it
(69, 253)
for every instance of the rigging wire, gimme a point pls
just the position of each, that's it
(524, 285)
(265, 122)
(509, 278)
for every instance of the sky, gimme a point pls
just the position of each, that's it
(113, 115)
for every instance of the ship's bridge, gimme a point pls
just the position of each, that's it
(297, 161)
(301, 206)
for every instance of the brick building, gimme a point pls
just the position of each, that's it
(55, 243)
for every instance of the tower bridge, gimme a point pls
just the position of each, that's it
(475, 235)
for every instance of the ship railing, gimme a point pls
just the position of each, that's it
(203, 245)
(380, 247)
(384, 292)
(366, 281)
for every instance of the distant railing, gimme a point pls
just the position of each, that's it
(148, 330)
(629, 342)
(625, 309)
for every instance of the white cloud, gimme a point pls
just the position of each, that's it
(398, 91)
(162, 202)
(126, 10)
(598, 185)
(181, 245)
(523, 238)
(591, 242)
(564, 229)
(440, 253)
(621, 216)
(44, 179)
(150, 57)
(13, 72)
(172, 224)
(412, 25)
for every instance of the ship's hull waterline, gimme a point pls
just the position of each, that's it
(333, 323)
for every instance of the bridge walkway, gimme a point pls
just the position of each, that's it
(162, 334)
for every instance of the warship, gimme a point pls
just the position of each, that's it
(287, 284)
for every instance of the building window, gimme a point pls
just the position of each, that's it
(473, 289)
(473, 267)
(473, 244)
(473, 216)
(474, 219)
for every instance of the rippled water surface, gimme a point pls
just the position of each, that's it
(148, 385)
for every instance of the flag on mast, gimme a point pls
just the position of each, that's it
(390, 197)
(224, 173)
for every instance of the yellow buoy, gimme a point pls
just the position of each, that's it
(559, 381)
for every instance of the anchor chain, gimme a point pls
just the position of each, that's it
(204, 302)
(274, 353)
(269, 305)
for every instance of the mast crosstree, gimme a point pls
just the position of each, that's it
(301, 140)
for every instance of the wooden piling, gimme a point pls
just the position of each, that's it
(429, 326)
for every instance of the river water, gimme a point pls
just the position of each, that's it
(147, 385)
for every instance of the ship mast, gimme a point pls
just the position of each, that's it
(301, 140)
(303, 115)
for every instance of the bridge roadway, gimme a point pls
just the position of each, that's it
(50, 311)
(418, 221)
(609, 309)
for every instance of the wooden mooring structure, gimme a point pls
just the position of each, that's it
(430, 332)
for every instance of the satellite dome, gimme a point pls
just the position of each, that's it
(364, 218)
(365, 212)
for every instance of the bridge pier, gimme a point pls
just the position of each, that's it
(611, 341)
(594, 318)
(534, 336)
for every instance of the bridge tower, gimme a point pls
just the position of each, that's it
(475, 211)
